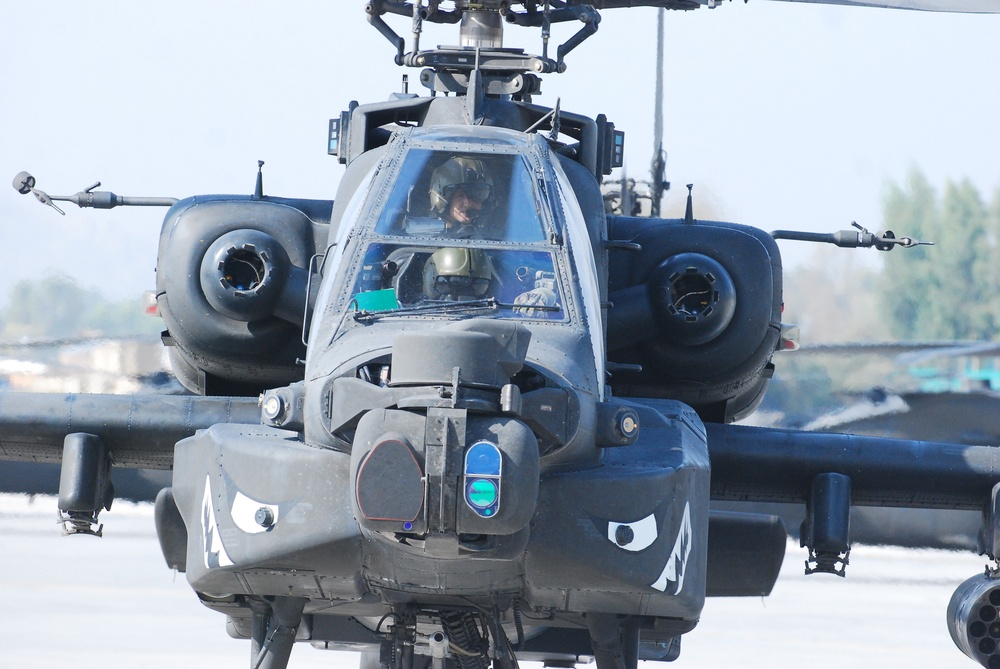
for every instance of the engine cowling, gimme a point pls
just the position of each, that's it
(232, 275)
(698, 308)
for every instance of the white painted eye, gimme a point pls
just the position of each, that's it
(245, 514)
(634, 537)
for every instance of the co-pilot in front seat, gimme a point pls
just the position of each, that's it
(457, 274)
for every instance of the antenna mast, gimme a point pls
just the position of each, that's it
(658, 166)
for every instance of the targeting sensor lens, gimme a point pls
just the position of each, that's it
(483, 469)
(482, 493)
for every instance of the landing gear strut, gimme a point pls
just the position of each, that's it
(275, 622)
(615, 641)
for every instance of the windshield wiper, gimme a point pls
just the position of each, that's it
(448, 306)
(431, 307)
(535, 307)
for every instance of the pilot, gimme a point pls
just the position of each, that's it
(462, 274)
(457, 274)
(461, 193)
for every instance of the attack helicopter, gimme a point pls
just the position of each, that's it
(452, 443)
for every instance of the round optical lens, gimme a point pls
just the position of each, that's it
(481, 493)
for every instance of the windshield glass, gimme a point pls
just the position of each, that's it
(448, 195)
(516, 283)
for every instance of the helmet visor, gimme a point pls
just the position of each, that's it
(474, 286)
(478, 192)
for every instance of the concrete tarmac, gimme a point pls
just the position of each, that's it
(93, 603)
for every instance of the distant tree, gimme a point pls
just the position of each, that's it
(833, 299)
(905, 281)
(56, 306)
(44, 308)
(949, 290)
(970, 266)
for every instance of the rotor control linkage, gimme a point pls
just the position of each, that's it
(851, 239)
(24, 183)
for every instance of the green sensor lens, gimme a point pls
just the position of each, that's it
(481, 493)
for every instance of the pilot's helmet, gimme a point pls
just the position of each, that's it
(470, 173)
(453, 273)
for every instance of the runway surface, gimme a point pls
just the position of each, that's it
(94, 603)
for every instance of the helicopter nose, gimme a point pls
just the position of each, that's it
(446, 474)
(443, 460)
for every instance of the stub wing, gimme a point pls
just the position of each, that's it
(832, 472)
(138, 430)
(772, 465)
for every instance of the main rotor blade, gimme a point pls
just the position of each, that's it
(958, 6)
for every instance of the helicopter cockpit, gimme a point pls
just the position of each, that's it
(445, 225)
(459, 226)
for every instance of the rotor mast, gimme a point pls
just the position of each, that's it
(481, 29)
(504, 72)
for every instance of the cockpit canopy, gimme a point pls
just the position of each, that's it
(410, 255)
(460, 226)
(498, 187)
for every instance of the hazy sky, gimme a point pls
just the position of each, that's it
(783, 115)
